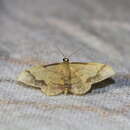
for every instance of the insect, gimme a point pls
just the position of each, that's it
(65, 77)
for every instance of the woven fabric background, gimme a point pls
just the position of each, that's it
(30, 30)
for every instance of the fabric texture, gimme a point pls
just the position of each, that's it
(30, 30)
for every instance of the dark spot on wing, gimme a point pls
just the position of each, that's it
(40, 83)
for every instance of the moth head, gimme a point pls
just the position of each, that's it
(65, 59)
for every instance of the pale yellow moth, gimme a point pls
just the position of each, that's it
(65, 77)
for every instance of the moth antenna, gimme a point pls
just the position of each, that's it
(74, 52)
(60, 51)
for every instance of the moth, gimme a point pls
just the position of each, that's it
(65, 77)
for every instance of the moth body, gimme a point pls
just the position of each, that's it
(67, 76)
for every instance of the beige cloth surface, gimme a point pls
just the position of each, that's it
(30, 30)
